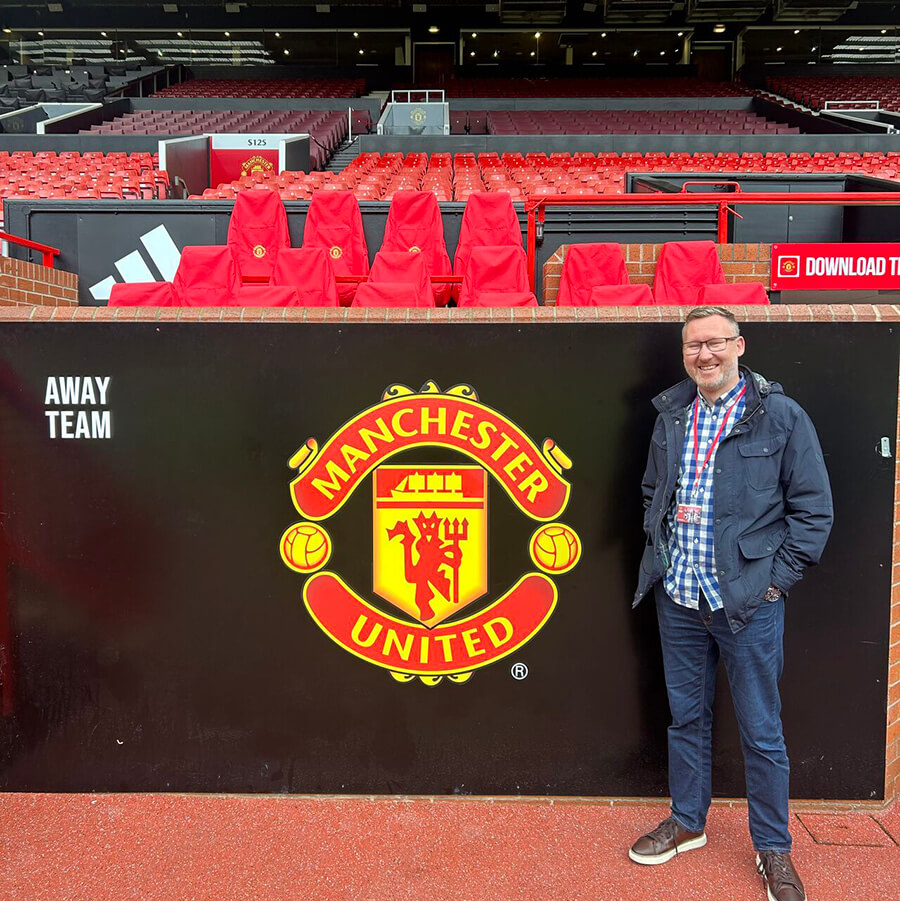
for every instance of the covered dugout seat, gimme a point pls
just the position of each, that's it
(309, 271)
(142, 294)
(595, 275)
(397, 279)
(497, 277)
(737, 293)
(257, 230)
(489, 220)
(683, 268)
(414, 225)
(206, 277)
(334, 224)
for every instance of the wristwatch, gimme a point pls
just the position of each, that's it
(772, 593)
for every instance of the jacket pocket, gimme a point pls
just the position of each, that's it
(762, 543)
(762, 461)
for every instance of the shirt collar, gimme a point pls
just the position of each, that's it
(725, 399)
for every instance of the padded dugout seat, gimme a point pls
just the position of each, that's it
(733, 293)
(497, 277)
(683, 268)
(397, 279)
(489, 220)
(334, 224)
(142, 294)
(257, 230)
(414, 225)
(595, 275)
(206, 277)
(310, 272)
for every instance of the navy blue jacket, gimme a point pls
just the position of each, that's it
(772, 503)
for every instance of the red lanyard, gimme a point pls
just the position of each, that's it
(698, 470)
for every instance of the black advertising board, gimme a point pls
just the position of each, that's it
(213, 572)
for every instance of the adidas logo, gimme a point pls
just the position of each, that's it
(135, 267)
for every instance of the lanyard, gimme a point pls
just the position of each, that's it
(698, 469)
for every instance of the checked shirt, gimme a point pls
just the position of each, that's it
(692, 551)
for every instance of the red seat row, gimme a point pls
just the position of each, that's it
(266, 87)
(687, 273)
(258, 267)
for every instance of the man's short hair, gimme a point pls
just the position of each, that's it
(703, 312)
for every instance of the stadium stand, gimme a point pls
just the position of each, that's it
(282, 88)
(642, 122)
(375, 176)
(587, 87)
(88, 176)
(815, 91)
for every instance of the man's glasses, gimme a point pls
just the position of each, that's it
(692, 348)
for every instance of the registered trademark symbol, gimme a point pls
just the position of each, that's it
(518, 671)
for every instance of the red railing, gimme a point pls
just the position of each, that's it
(47, 252)
(535, 207)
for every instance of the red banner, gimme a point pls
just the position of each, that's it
(438, 420)
(835, 267)
(404, 647)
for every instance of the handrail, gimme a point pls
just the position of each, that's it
(46, 250)
(534, 207)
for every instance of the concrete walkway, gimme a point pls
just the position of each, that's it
(193, 848)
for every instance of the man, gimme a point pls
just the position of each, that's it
(737, 504)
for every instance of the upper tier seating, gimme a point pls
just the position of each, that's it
(588, 87)
(638, 122)
(374, 176)
(329, 128)
(266, 87)
(814, 91)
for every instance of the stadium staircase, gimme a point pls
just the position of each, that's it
(343, 156)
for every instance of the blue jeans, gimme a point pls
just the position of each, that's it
(692, 642)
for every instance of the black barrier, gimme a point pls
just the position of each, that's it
(159, 642)
(103, 240)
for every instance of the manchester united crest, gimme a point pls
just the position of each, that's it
(429, 616)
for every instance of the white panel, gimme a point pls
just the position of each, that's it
(132, 268)
(101, 290)
(162, 251)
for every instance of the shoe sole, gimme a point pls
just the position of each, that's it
(653, 860)
(769, 894)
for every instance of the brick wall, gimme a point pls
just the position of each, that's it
(776, 313)
(25, 284)
(740, 263)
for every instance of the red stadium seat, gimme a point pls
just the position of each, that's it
(142, 294)
(334, 224)
(414, 225)
(738, 292)
(683, 268)
(595, 275)
(206, 277)
(497, 277)
(266, 296)
(257, 230)
(489, 220)
(309, 271)
(401, 279)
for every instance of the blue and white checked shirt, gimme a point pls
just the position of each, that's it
(692, 549)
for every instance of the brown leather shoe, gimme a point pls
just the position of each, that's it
(664, 842)
(779, 877)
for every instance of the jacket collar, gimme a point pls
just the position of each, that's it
(679, 396)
